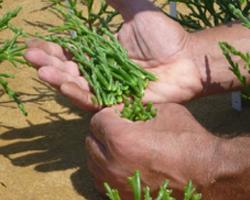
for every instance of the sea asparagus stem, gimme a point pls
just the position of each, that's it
(240, 15)
(164, 192)
(190, 192)
(112, 76)
(135, 183)
(230, 51)
(95, 18)
(209, 13)
(147, 195)
(5, 85)
(112, 194)
(11, 52)
(7, 17)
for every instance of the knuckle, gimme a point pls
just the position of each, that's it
(88, 141)
(93, 123)
(97, 124)
(70, 63)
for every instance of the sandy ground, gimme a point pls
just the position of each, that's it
(42, 156)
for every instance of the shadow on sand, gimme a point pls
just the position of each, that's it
(58, 145)
(216, 114)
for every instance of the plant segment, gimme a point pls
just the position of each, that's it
(209, 13)
(230, 51)
(93, 16)
(112, 76)
(11, 52)
(164, 192)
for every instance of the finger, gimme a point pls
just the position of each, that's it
(49, 47)
(71, 68)
(108, 122)
(39, 58)
(96, 161)
(96, 151)
(56, 77)
(79, 97)
(98, 176)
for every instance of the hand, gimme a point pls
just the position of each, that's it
(163, 47)
(55, 67)
(154, 41)
(172, 146)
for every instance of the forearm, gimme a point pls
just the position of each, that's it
(208, 57)
(232, 174)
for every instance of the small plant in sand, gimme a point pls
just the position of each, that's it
(11, 52)
(164, 192)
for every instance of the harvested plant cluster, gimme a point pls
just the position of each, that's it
(102, 61)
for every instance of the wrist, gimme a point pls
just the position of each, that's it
(200, 59)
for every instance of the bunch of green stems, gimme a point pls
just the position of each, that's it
(209, 13)
(229, 51)
(164, 192)
(103, 62)
(12, 52)
(135, 110)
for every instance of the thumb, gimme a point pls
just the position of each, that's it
(108, 121)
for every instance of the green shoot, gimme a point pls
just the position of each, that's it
(190, 192)
(230, 51)
(95, 18)
(209, 13)
(112, 194)
(147, 195)
(7, 17)
(135, 183)
(239, 14)
(11, 52)
(164, 192)
(10, 92)
(135, 110)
